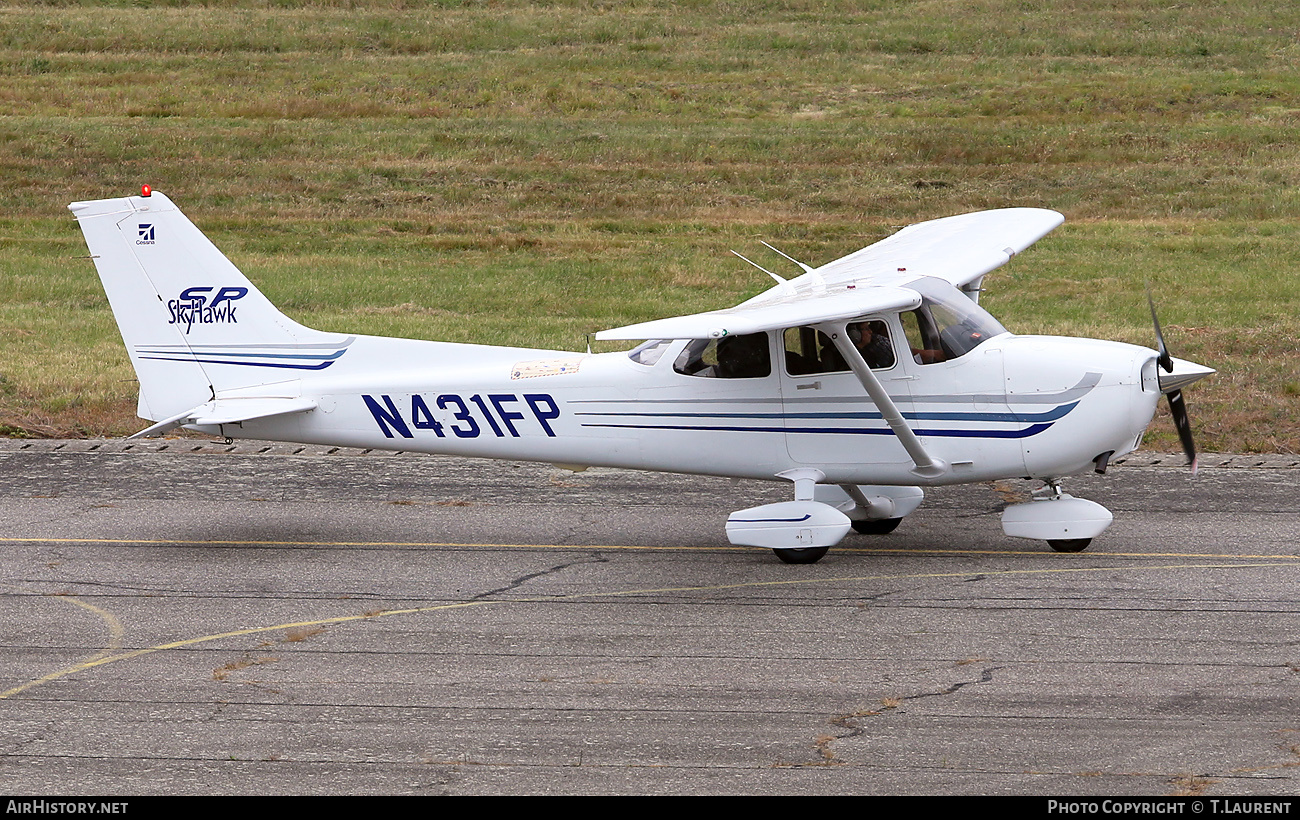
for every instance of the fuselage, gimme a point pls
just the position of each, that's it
(1015, 406)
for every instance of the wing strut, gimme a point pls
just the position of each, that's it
(927, 466)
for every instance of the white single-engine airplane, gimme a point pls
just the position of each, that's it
(860, 381)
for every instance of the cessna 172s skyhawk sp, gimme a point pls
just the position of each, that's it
(860, 381)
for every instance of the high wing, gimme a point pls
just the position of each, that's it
(958, 249)
(784, 311)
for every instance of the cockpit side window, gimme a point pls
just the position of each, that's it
(947, 324)
(731, 357)
(922, 337)
(960, 332)
(809, 351)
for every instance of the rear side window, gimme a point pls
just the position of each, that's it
(731, 357)
(649, 353)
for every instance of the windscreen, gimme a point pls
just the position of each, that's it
(950, 323)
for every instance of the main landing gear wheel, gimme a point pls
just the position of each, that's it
(1069, 544)
(878, 526)
(811, 555)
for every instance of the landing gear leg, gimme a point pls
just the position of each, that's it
(872, 510)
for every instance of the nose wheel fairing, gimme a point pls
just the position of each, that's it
(1063, 521)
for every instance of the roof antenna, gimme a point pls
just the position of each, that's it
(819, 284)
(806, 268)
(784, 284)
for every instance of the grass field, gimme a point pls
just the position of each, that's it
(526, 173)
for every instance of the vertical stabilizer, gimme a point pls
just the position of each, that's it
(193, 324)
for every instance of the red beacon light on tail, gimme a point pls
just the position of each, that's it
(145, 190)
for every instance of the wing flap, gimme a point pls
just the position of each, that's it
(790, 311)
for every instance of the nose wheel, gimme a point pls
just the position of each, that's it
(876, 526)
(1069, 544)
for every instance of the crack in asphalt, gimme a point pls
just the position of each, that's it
(854, 728)
(524, 579)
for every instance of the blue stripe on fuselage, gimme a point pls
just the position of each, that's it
(1032, 430)
(1014, 418)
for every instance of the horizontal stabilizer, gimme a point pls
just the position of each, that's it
(229, 411)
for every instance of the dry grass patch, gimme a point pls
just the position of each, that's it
(409, 168)
(221, 673)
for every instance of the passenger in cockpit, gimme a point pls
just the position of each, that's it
(872, 341)
(871, 338)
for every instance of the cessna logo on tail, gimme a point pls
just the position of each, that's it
(146, 234)
(194, 307)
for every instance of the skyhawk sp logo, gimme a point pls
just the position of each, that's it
(146, 234)
(195, 308)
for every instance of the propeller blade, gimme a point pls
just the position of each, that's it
(1182, 423)
(1177, 407)
(1166, 361)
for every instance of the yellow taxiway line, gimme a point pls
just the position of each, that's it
(110, 653)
